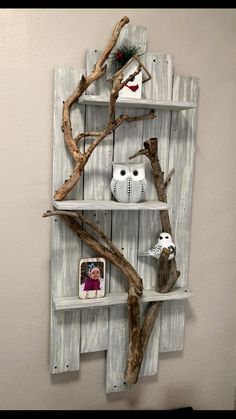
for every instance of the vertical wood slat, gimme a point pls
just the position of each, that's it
(125, 230)
(158, 88)
(181, 157)
(65, 327)
(97, 174)
(125, 237)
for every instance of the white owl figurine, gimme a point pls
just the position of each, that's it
(128, 183)
(164, 241)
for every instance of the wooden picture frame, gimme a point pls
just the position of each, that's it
(92, 277)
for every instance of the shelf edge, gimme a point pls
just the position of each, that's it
(94, 205)
(73, 303)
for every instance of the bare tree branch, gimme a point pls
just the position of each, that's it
(168, 179)
(72, 143)
(138, 336)
(86, 134)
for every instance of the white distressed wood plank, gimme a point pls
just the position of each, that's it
(65, 327)
(151, 357)
(117, 350)
(127, 140)
(159, 88)
(97, 174)
(75, 205)
(181, 157)
(172, 326)
(165, 105)
(117, 298)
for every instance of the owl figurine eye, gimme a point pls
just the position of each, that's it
(128, 183)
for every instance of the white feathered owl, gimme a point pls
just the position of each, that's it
(164, 241)
(128, 183)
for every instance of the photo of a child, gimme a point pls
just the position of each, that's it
(91, 274)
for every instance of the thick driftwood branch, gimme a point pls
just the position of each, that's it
(167, 272)
(134, 281)
(85, 220)
(138, 336)
(151, 151)
(83, 158)
(87, 134)
(97, 73)
(168, 279)
(72, 143)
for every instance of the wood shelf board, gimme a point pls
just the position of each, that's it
(169, 105)
(74, 205)
(113, 299)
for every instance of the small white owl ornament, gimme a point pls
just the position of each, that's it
(164, 240)
(128, 183)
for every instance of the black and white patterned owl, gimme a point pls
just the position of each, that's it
(128, 183)
(164, 241)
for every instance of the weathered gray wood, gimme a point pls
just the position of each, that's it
(159, 88)
(97, 174)
(65, 327)
(117, 298)
(74, 205)
(181, 157)
(127, 140)
(117, 349)
(165, 105)
(132, 231)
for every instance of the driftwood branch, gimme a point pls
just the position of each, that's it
(80, 158)
(167, 273)
(113, 255)
(168, 179)
(150, 150)
(138, 335)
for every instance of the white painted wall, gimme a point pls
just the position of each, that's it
(33, 41)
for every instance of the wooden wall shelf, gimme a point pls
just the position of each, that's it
(117, 298)
(90, 325)
(74, 205)
(168, 105)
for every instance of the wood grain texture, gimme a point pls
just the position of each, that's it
(159, 88)
(97, 174)
(125, 230)
(165, 105)
(65, 327)
(73, 205)
(118, 298)
(181, 157)
(131, 230)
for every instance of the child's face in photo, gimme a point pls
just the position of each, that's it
(95, 273)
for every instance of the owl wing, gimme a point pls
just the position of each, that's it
(154, 251)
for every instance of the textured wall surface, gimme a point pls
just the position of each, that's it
(33, 42)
